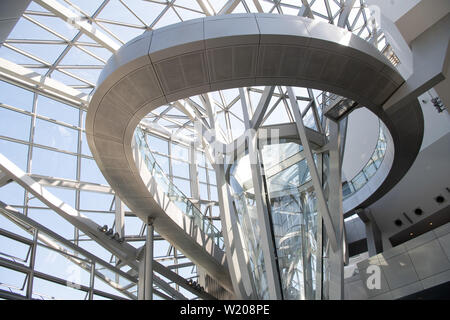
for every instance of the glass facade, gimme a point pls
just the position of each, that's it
(43, 133)
(294, 220)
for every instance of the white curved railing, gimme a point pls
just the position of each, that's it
(175, 194)
(371, 167)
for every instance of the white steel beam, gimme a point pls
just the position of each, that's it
(78, 22)
(322, 204)
(267, 244)
(71, 184)
(206, 7)
(305, 10)
(260, 111)
(345, 12)
(16, 73)
(229, 7)
(126, 252)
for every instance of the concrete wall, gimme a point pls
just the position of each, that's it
(411, 267)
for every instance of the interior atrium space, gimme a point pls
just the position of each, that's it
(224, 150)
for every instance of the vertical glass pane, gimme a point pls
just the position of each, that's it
(95, 201)
(15, 96)
(84, 145)
(14, 281)
(180, 169)
(90, 172)
(14, 124)
(57, 110)
(15, 152)
(56, 136)
(180, 152)
(47, 290)
(158, 144)
(54, 164)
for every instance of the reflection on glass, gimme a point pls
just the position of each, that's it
(173, 193)
(294, 217)
(349, 187)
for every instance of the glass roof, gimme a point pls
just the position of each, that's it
(42, 131)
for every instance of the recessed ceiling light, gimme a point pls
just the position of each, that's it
(411, 234)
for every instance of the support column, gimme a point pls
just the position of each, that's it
(193, 173)
(373, 233)
(336, 257)
(237, 258)
(267, 243)
(32, 261)
(120, 217)
(148, 282)
(321, 202)
(91, 281)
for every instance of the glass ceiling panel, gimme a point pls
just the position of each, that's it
(120, 20)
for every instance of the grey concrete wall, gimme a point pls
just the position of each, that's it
(411, 267)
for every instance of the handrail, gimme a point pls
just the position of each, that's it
(363, 176)
(175, 194)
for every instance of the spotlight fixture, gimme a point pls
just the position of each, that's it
(411, 234)
(103, 229)
(109, 232)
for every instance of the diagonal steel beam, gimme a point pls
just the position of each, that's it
(229, 7)
(305, 10)
(51, 239)
(263, 103)
(16, 73)
(345, 12)
(78, 22)
(322, 204)
(127, 253)
(206, 7)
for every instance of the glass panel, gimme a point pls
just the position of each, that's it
(55, 136)
(62, 266)
(180, 152)
(180, 169)
(15, 152)
(11, 280)
(14, 250)
(57, 110)
(201, 174)
(15, 96)
(14, 124)
(158, 144)
(84, 145)
(54, 164)
(12, 194)
(95, 201)
(163, 162)
(90, 172)
(359, 180)
(183, 185)
(47, 290)
(50, 219)
(174, 193)
(203, 191)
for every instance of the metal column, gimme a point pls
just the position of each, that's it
(148, 284)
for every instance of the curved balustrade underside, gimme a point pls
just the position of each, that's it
(222, 52)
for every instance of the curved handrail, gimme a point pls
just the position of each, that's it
(355, 184)
(175, 194)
